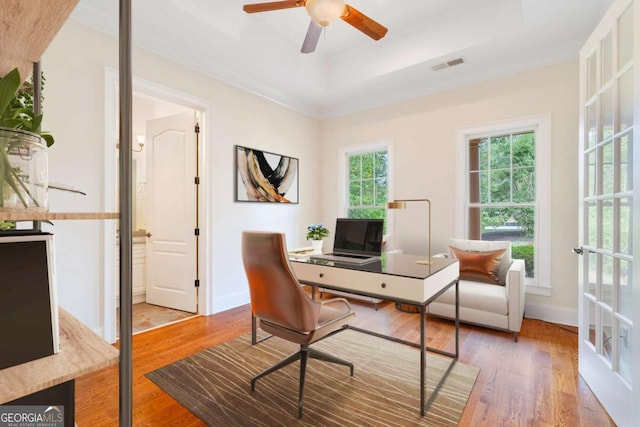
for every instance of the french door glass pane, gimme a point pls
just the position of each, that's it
(625, 288)
(590, 170)
(607, 224)
(591, 321)
(591, 75)
(626, 162)
(592, 130)
(592, 223)
(607, 337)
(592, 122)
(607, 168)
(625, 38)
(606, 115)
(624, 351)
(625, 226)
(592, 273)
(606, 287)
(607, 58)
(625, 100)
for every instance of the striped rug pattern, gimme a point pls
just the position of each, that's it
(384, 391)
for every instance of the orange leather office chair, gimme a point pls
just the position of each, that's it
(282, 307)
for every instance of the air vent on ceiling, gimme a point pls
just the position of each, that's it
(448, 64)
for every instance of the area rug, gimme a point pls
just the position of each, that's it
(384, 391)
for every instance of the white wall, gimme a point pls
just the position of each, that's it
(74, 67)
(424, 133)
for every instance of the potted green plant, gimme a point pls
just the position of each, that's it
(23, 157)
(315, 233)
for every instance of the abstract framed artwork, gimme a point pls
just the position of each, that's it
(265, 177)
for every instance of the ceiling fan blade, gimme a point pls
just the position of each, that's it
(272, 5)
(311, 39)
(363, 23)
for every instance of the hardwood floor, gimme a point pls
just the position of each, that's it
(533, 382)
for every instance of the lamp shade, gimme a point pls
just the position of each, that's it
(324, 12)
(396, 205)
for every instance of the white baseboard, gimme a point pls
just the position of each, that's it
(551, 313)
(231, 301)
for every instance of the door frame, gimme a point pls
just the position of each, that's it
(175, 96)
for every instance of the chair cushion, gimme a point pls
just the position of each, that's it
(479, 266)
(479, 296)
(485, 246)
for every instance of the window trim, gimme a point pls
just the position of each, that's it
(541, 125)
(366, 147)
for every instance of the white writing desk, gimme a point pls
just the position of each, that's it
(396, 277)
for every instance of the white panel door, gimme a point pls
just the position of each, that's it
(608, 288)
(171, 212)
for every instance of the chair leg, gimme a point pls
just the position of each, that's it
(284, 362)
(304, 355)
(317, 354)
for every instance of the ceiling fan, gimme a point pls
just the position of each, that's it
(323, 13)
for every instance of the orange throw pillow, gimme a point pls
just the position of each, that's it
(479, 266)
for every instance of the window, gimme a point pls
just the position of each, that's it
(505, 195)
(366, 187)
(502, 192)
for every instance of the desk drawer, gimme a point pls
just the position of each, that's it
(376, 284)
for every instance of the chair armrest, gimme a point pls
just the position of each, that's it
(515, 284)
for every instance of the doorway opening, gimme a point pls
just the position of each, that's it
(164, 212)
(166, 143)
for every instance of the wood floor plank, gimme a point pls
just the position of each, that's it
(532, 382)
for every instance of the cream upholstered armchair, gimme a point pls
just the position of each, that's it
(492, 286)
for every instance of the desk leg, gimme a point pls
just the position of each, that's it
(423, 356)
(457, 318)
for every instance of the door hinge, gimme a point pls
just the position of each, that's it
(197, 231)
(197, 283)
(197, 128)
(197, 180)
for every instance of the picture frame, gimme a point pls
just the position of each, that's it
(266, 177)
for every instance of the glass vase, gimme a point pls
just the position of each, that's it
(24, 174)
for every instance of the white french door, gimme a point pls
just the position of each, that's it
(608, 274)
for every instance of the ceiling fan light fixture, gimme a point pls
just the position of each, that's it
(324, 12)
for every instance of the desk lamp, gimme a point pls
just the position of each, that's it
(402, 204)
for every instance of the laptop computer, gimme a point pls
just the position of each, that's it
(356, 241)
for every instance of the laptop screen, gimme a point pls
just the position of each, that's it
(358, 236)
